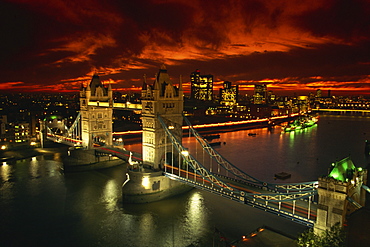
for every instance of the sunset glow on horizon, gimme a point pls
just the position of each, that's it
(292, 46)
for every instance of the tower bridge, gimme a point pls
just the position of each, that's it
(166, 167)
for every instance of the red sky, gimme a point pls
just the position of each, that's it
(295, 45)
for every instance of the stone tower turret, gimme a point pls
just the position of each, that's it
(166, 100)
(340, 194)
(96, 106)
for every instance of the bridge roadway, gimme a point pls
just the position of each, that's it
(301, 211)
(120, 153)
(300, 207)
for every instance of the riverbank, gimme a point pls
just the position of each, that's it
(23, 151)
(16, 154)
(213, 127)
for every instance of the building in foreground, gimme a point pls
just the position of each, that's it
(340, 194)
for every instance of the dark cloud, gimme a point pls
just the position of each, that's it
(50, 42)
(329, 62)
(344, 19)
(15, 28)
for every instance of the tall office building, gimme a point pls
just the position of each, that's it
(318, 93)
(260, 94)
(229, 94)
(201, 86)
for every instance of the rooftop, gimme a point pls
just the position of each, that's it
(343, 170)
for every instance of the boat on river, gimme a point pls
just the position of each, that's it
(211, 137)
(301, 122)
(214, 143)
(282, 175)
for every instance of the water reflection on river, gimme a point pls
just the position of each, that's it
(41, 206)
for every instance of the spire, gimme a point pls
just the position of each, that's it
(180, 83)
(95, 83)
(163, 67)
(144, 87)
(156, 83)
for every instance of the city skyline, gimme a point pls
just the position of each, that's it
(292, 46)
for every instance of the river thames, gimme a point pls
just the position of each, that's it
(42, 206)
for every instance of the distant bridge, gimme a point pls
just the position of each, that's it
(340, 110)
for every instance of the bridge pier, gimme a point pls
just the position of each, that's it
(88, 159)
(165, 100)
(149, 186)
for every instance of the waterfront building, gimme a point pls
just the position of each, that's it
(3, 124)
(229, 94)
(303, 104)
(21, 132)
(96, 121)
(201, 86)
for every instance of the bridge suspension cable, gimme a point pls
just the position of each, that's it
(74, 127)
(283, 188)
(219, 159)
(194, 164)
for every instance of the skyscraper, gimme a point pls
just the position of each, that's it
(318, 93)
(229, 94)
(201, 86)
(260, 94)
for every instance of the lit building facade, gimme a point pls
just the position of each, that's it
(21, 132)
(229, 94)
(260, 94)
(3, 123)
(201, 86)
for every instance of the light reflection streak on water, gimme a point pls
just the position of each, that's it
(5, 170)
(110, 195)
(34, 167)
(147, 227)
(195, 214)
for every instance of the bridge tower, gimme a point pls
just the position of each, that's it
(96, 106)
(340, 194)
(166, 100)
